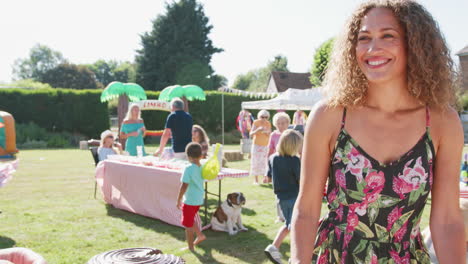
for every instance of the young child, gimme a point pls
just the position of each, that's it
(284, 169)
(192, 191)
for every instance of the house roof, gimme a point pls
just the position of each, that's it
(285, 80)
(463, 52)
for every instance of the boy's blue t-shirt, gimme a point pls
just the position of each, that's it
(195, 191)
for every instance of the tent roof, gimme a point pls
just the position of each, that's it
(291, 99)
(463, 52)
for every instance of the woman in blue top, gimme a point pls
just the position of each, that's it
(133, 130)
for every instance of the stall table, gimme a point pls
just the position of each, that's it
(148, 190)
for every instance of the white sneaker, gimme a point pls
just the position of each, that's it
(273, 254)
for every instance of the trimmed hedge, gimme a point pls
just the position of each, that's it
(81, 112)
(58, 110)
(205, 113)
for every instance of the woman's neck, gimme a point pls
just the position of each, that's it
(390, 96)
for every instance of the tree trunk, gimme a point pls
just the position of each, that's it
(185, 103)
(122, 109)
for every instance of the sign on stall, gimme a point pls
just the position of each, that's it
(154, 105)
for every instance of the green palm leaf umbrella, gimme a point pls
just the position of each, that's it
(186, 92)
(125, 92)
(115, 89)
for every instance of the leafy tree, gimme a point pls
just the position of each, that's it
(321, 58)
(125, 72)
(41, 59)
(257, 80)
(71, 76)
(109, 71)
(178, 40)
(219, 81)
(243, 81)
(279, 63)
(199, 73)
(195, 73)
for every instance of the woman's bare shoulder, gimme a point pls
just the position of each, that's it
(445, 123)
(326, 116)
(324, 123)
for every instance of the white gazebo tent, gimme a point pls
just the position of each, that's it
(291, 99)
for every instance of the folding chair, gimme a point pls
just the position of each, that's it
(94, 152)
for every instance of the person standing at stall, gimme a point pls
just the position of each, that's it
(133, 130)
(179, 128)
(199, 135)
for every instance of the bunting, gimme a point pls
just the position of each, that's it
(263, 95)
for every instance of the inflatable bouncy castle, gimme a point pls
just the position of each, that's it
(7, 135)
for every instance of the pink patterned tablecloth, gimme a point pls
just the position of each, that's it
(463, 190)
(146, 190)
(6, 171)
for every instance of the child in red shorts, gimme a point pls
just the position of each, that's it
(192, 192)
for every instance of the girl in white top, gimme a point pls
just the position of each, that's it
(108, 146)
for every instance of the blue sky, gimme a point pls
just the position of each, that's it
(251, 32)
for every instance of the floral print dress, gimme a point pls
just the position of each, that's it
(375, 209)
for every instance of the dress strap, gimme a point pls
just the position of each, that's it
(343, 120)
(428, 118)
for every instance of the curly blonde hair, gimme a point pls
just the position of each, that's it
(430, 72)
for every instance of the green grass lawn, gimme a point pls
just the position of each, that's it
(49, 207)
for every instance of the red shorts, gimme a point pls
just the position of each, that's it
(188, 214)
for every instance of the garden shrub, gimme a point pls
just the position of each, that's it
(33, 144)
(57, 110)
(58, 140)
(230, 137)
(463, 101)
(29, 132)
(31, 135)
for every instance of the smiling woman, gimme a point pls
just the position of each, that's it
(429, 67)
(381, 47)
(384, 139)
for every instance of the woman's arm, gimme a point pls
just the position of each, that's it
(321, 129)
(162, 143)
(119, 147)
(143, 128)
(254, 130)
(127, 135)
(446, 222)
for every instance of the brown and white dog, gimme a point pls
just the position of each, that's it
(227, 217)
